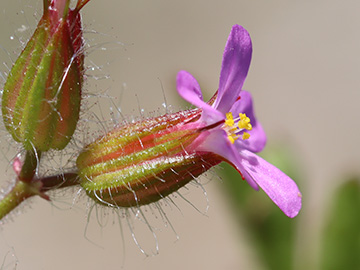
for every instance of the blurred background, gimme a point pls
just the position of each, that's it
(305, 81)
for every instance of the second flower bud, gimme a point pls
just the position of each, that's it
(42, 94)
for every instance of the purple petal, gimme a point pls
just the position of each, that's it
(281, 189)
(189, 89)
(235, 66)
(216, 141)
(257, 139)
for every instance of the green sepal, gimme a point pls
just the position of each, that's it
(143, 162)
(42, 94)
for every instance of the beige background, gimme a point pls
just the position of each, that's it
(305, 81)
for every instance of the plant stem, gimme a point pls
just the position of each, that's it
(19, 192)
(27, 185)
(58, 181)
(23, 190)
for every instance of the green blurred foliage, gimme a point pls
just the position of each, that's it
(271, 232)
(340, 248)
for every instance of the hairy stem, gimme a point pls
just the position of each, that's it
(18, 193)
(59, 181)
(23, 190)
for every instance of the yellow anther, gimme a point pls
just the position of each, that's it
(244, 122)
(245, 136)
(231, 139)
(243, 117)
(229, 121)
(241, 124)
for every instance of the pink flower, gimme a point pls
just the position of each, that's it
(142, 162)
(235, 139)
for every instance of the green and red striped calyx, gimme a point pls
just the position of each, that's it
(42, 94)
(142, 162)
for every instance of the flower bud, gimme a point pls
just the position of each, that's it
(142, 162)
(42, 94)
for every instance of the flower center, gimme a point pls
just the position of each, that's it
(235, 126)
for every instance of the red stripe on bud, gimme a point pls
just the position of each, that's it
(142, 162)
(42, 94)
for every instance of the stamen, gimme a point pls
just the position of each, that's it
(229, 119)
(245, 136)
(243, 122)
(231, 139)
